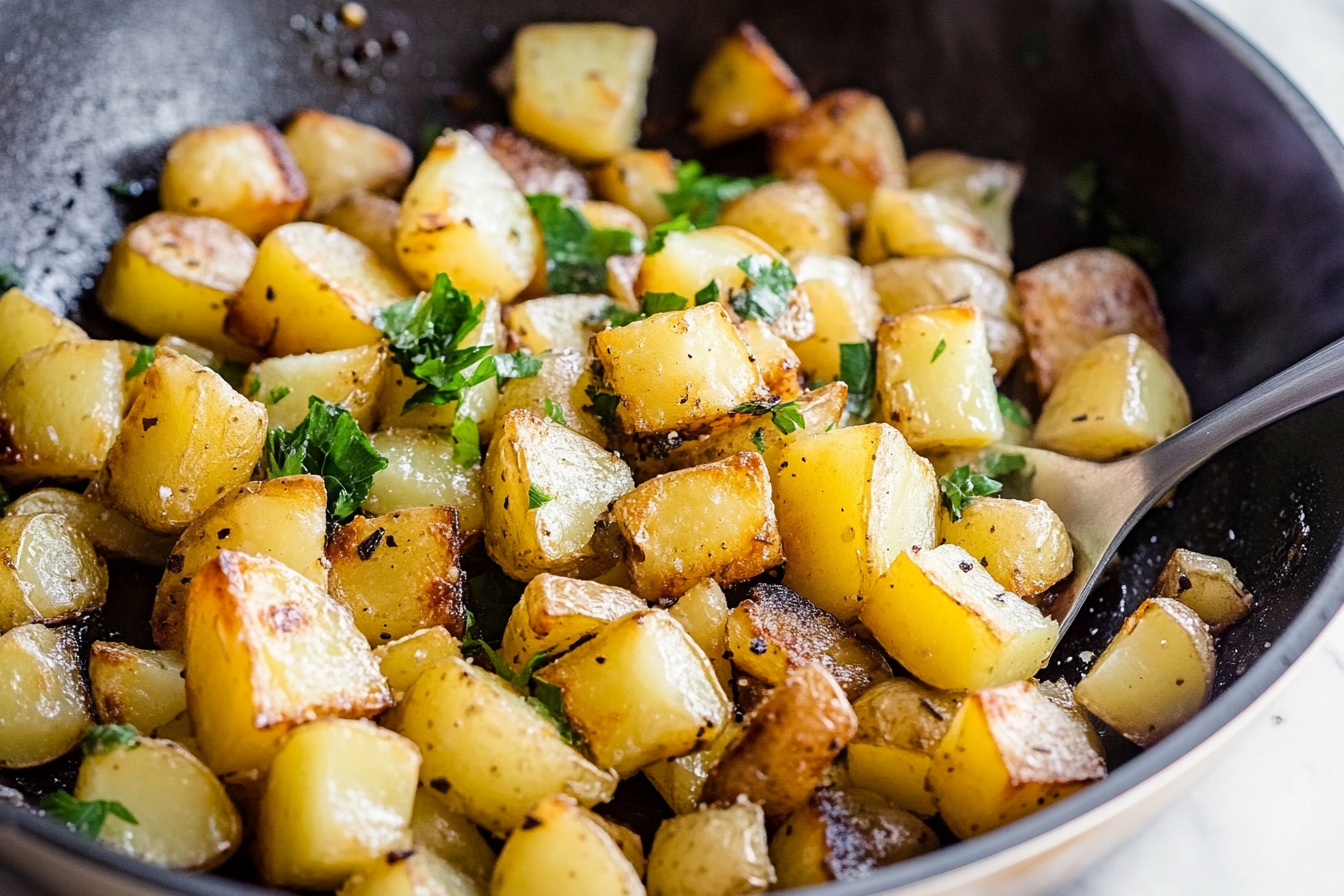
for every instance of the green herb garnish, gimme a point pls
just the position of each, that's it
(700, 196)
(144, 356)
(430, 132)
(126, 189)
(536, 497)
(707, 294)
(330, 444)
(658, 302)
(603, 405)
(658, 233)
(84, 817)
(576, 251)
(1014, 411)
(785, 415)
(652, 303)
(544, 697)
(758, 438)
(554, 411)
(961, 485)
(858, 371)
(466, 442)
(517, 365)
(10, 278)
(938, 350)
(254, 387)
(101, 739)
(492, 596)
(767, 295)
(997, 465)
(614, 316)
(278, 393)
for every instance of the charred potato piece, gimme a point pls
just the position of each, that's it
(1208, 585)
(534, 168)
(635, 178)
(49, 571)
(840, 291)
(28, 325)
(339, 156)
(44, 704)
(703, 612)
(562, 849)
(988, 187)
(1022, 544)
(110, 533)
(560, 389)
(744, 87)
(923, 223)
(421, 471)
(351, 377)
(902, 724)
(555, 612)
(131, 686)
(793, 216)
(712, 852)
(554, 323)
(370, 219)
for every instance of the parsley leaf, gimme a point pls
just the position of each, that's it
(576, 251)
(767, 296)
(492, 595)
(278, 393)
(997, 465)
(536, 497)
(466, 442)
(658, 302)
(755, 408)
(603, 405)
(707, 294)
(10, 278)
(938, 350)
(232, 372)
(554, 411)
(652, 303)
(961, 485)
(144, 356)
(101, 739)
(658, 234)
(859, 373)
(615, 316)
(1014, 411)
(83, 817)
(758, 438)
(700, 196)
(544, 697)
(549, 703)
(787, 418)
(253, 387)
(518, 365)
(330, 444)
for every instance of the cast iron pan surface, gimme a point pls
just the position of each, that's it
(1198, 140)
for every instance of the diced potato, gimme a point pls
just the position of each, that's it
(267, 650)
(450, 836)
(352, 378)
(935, 380)
(313, 289)
(790, 741)
(1120, 397)
(681, 780)
(339, 795)
(840, 291)
(562, 849)
(241, 173)
(555, 612)
(49, 571)
(744, 87)
(110, 533)
(656, 365)
(404, 660)
(534, 168)
(924, 223)
(713, 521)
(1208, 585)
(1022, 544)
(703, 612)
(774, 630)
(563, 379)
(579, 86)
(713, 852)
(183, 818)
(848, 502)
(634, 178)
(285, 519)
(131, 686)
(846, 141)
(28, 325)
(902, 723)
(500, 757)
(988, 187)
(845, 834)
(638, 692)
(626, 840)
(463, 215)
(400, 572)
(60, 406)
(554, 323)
(1156, 673)
(944, 618)
(339, 156)
(1011, 751)
(172, 273)
(370, 219)
(1073, 302)
(44, 705)
(778, 364)
(793, 216)
(546, 491)
(411, 873)
(421, 471)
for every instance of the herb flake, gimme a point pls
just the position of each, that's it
(938, 350)
(330, 444)
(576, 251)
(85, 817)
(658, 234)
(767, 293)
(996, 465)
(537, 498)
(1014, 411)
(10, 278)
(758, 438)
(858, 371)
(700, 196)
(144, 356)
(961, 485)
(101, 739)
(276, 394)
(603, 405)
(466, 442)
(554, 411)
(517, 365)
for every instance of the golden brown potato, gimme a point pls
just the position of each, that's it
(28, 325)
(793, 216)
(1207, 585)
(420, 472)
(778, 364)
(339, 156)
(703, 612)
(534, 168)
(563, 381)
(110, 533)
(554, 323)
(451, 837)
(370, 219)
(743, 87)
(1022, 544)
(416, 872)
(404, 660)
(241, 173)
(561, 849)
(923, 223)
(634, 178)
(988, 187)
(555, 612)
(790, 741)
(712, 852)
(131, 686)
(713, 521)
(1073, 302)
(44, 704)
(902, 723)
(352, 378)
(400, 572)
(840, 291)
(49, 571)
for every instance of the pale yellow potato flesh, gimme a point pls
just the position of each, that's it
(681, 780)
(703, 612)
(793, 216)
(370, 219)
(634, 178)
(1022, 544)
(339, 156)
(563, 849)
(137, 687)
(1208, 585)
(351, 377)
(404, 660)
(451, 837)
(28, 325)
(555, 611)
(778, 363)
(110, 532)
(405, 873)
(564, 379)
(988, 187)
(554, 323)
(925, 223)
(49, 571)
(743, 87)
(421, 471)
(902, 724)
(44, 704)
(712, 852)
(845, 306)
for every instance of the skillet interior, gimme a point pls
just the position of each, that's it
(1239, 181)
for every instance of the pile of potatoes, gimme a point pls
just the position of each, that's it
(871, 662)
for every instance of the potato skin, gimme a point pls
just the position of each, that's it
(533, 167)
(743, 87)
(131, 686)
(1208, 585)
(339, 156)
(634, 178)
(1022, 544)
(44, 704)
(561, 849)
(49, 572)
(711, 852)
(110, 533)
(28, 325)
(370, 219)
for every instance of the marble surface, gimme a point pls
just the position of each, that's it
(1264, 819)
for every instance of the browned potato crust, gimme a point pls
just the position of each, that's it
(744, 87)
(533, 167)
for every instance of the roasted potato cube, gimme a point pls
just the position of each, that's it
(534, 168)
(703, 612)
(790, 741)
(902, 723)
(501, 758)
(579, 86)
(1207, 585)
(183, 817)
(793, 216)
(421, 471)
(845, 834)
(285, 519)
(450, 836)
(667, 374)
(555, 612)
(1022, 544)
(563, 381)
(935, 381)
(404, 660)
(778, 364)
(554, 323)
(60, 407)
(635, 178)
(463, 215)
(1155, 674)
(774, 630)
(131, 686)
(944, 618)
(988, 187)
(370, 219)
(49, 571)
(562, 849)
(1119, 398)
(713, 852)
(743, 87)
(1073, 302)
(713, 521)
(400, 572)
(339, 156)
(411, 873)
(847, 142)
(267, 650)
(681, 780)
(241, 173)
(546, 491)
(44, 705)
(1010, 752)
(840, 291)
(110, 533)
(28, 325)
(177, 274)
(924, 223)
(639, 691)
(849, 501)
(352, 378)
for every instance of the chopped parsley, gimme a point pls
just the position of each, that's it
(700, 196)
(938, 350)
(466, 442)
(517, 365)
(144, 356)
(961, 485)
(84, 817)
(858, 371)
(653, 303)
(758, 438)
(430, 132)
(785, 415)
(536, 497)
(126, 189)
(988, 197)
(603, 405)
(1014, 411)
(253, 387)
(542, 696)
(658, 234)
(658, 302)
(278, 393)
(707, 294)
(614, 316)
(101, 739)
(576, 251)
(330, 444)
(554, 411)
(997, 465)
(10, 278)
(767, 295)
(492, 596)
(1095, 212)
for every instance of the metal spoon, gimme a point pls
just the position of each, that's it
(1100, 503)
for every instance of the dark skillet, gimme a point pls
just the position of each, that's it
(1200, 143)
